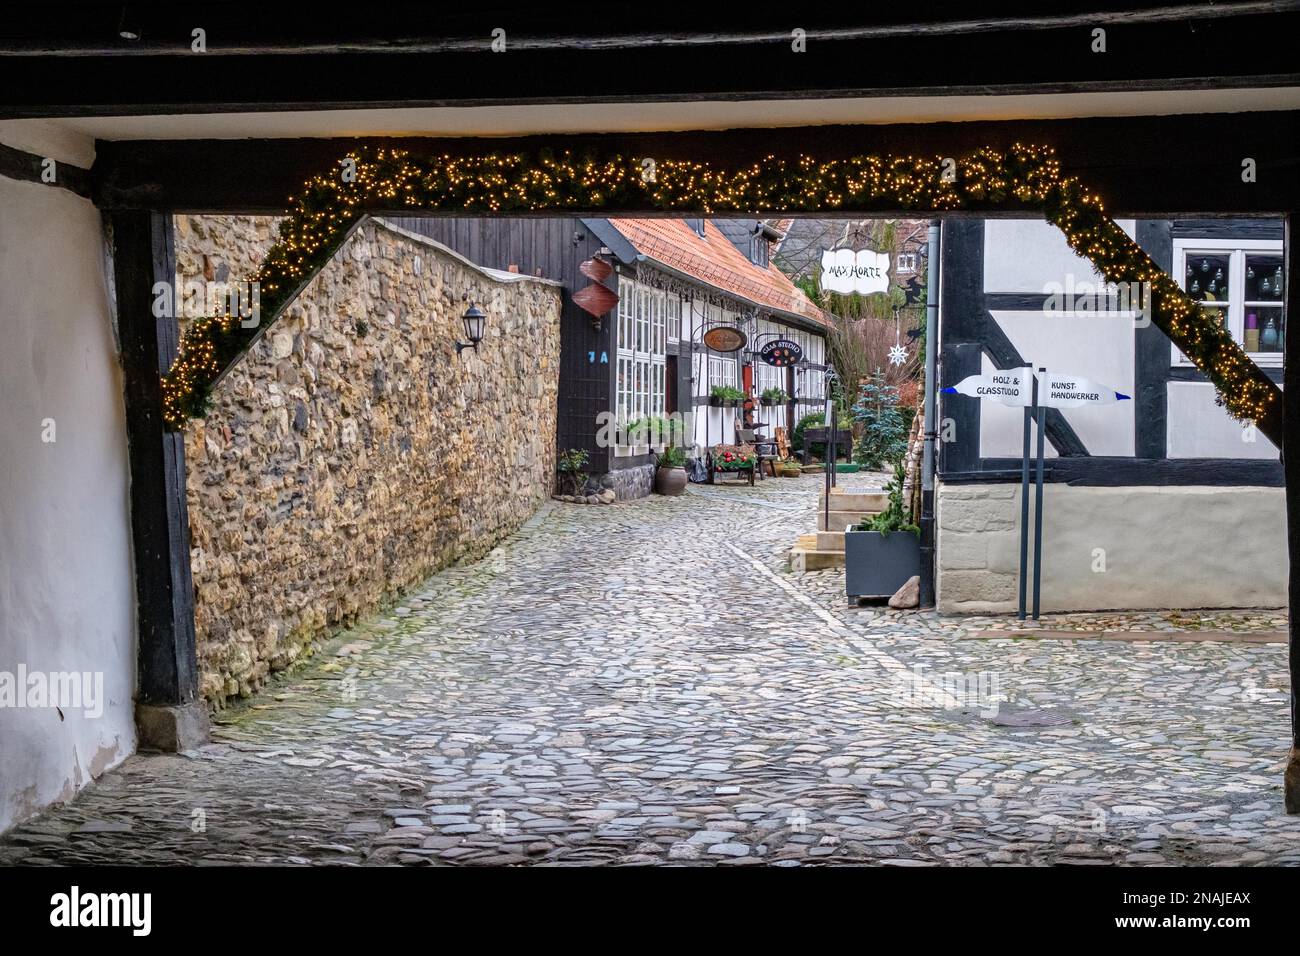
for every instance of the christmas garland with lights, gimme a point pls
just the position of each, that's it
(389, 180)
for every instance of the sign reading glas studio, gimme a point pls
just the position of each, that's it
(781, 353)
(846, 271)
(725, 338)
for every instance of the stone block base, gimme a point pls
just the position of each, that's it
(1291, 785)
(172, 728)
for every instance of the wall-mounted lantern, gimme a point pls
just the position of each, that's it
(474, 319)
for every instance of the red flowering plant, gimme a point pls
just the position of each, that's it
(734, 460)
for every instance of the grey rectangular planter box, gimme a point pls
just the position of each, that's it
(876, 566)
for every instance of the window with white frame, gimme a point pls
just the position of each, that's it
(905, 263)
(673, 306)
(722, 371)
(658, 309)
(641, 369)
(1242, 280)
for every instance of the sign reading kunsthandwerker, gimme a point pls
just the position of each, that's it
(1061, 390)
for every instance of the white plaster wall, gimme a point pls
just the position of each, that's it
(1098, 346)
(1022, 255)
(67, 597)
(1163, 547)
(1195, 427)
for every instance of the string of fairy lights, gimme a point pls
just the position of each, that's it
(389, 180)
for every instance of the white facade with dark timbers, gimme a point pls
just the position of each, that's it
(677, 279)
(1162, 501)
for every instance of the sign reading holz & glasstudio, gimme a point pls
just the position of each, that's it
(1010, 387)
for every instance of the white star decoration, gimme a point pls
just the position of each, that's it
(897, 355)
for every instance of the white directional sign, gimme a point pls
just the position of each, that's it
(1061, 390)
(1009, 387)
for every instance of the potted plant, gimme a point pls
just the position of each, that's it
(670, 476)
(788, 468)
(774, 396)
(572, 466)
(883, 552)
(725, 396)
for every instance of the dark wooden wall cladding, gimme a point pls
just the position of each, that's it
(1163, 165)
(62, 59)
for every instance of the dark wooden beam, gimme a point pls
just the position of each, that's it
(1291, 462)
(245, 28)
(28, 167)
(1189, 165)
(263, 57)
(1101, 471)
(170, 714)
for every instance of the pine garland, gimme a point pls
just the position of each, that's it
(387, 180)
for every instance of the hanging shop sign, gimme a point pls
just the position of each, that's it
(725, 338)
(781, 353)
(846, 271)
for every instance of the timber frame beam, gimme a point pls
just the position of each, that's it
(170, 715)
(261, 57)
(1154, 166)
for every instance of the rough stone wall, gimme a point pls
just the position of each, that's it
(1175, 546)
(351, 452)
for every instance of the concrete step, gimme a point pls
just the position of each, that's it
(829, 541)
(805, 560)
(840, 520)
(807, 541)
(873, 501)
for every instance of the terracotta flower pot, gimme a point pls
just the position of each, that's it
(670, 481)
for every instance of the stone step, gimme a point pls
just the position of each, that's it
(802, 559)
(873, 501)
(829, 541)
(840, 520)
(807, 541)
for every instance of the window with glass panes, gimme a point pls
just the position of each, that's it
(1242, 280)
(640, 355)
(722, 371)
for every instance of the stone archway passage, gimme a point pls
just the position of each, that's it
(1024, 178)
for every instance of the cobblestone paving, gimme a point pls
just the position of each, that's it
(648, 683)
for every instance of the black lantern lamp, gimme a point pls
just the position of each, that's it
(474, 319)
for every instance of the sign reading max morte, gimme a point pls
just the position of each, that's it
(781, 353)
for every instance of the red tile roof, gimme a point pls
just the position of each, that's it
(714, 260)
